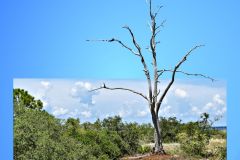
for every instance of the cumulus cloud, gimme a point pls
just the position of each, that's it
(218, 99)
(196, 111)
(45, 103)
(59, 111)
(132, 108)
(75, 113)
(42, 91)
(81, 91)
(209, 106)
(180, 93)
(185, 100)
(221, 111)
(46, 84)
(165, 101)
(143, 113)
(166, 111)
(86, 114)
(124, 113)
(215, 107)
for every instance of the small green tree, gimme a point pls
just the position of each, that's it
(170, 128)
(195, 136)
(130, 135)
(21, 96)
(72, 127)
(113, 123)
(145, 133)
(194, 144)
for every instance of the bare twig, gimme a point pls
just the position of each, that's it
(119, 88)
(133, 38)
(138, 53)
(173, 76)
(159, 7)
(118, 41)
(158, 30)
(186, 73)
(146, 71)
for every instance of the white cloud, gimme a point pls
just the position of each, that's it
(124, 112)
(217, 98)
(180, 93)
(185, 100)
(196, 111)
(75, 113)
(42, 92)
(221, 111)
(224, 109)
(59, 111)
(209, 106)
(216, 105)
(82, 92)
(132, 108)
(46, 84)
(165, 101)
(45, 104)
(142, 113)
(165, 110)
(86, 114)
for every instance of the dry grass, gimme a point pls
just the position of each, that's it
(174, 152)
(214, 145)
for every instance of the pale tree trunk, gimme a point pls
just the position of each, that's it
(158, 147)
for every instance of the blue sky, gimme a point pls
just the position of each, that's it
(186, 100)
(46, 39)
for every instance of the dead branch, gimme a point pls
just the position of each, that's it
(146, 71)
(153, 50)
(173, 77)
(118, 41)
(157, 28)
(153, 14)
(161, 25)
(186, 73)
(133, 39)
(120, 88)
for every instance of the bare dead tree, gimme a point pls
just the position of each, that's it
(155, 97)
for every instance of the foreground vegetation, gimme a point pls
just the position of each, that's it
(39, 135)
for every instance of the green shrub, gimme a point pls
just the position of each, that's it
(170, 127)
(194, 144)
(103, 157)
(221, 153)
(100, 144)
(144, 149)
(217, 149)
(130, 134)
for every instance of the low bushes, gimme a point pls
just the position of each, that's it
(193, 144)
(144, 149)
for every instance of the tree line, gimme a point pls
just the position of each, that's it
(40, 135)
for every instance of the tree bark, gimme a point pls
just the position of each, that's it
(158, 148)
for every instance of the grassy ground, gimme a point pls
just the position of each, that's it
(174, 152)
